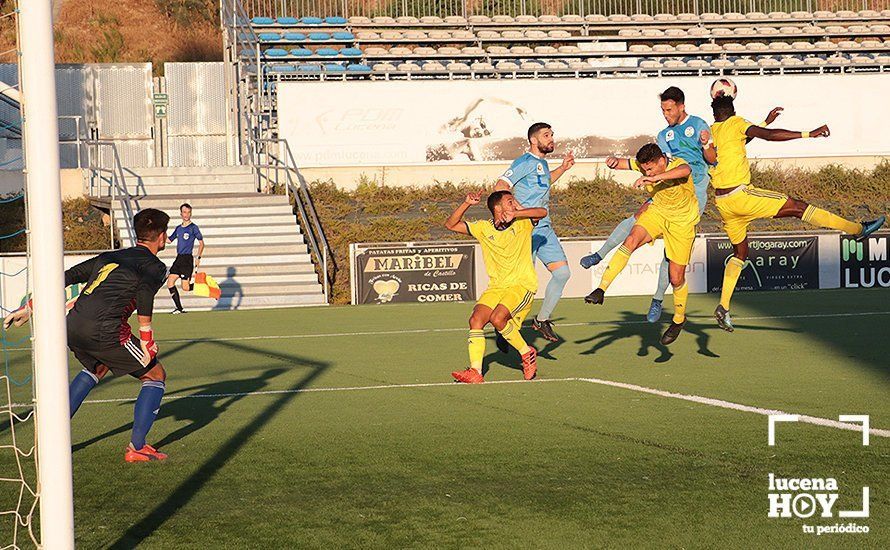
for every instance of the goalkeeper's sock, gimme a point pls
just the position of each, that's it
(681, 293)
(824, 218)
(146, 410)
(621, 232)
(664, 279)
(476, 346)
(616, 264)
(730, 277)
(80, 387)
(510, 332)
(174, 292)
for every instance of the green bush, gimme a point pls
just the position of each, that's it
(376, 213)
(82, 225)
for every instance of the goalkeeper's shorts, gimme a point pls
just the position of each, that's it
(517, 299)
(121, 359)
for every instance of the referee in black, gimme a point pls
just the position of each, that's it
(185, 263)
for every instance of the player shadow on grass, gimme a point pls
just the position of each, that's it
(512, 360)
(231, 446)
(631, 325)
(231, 291)
(203, 405)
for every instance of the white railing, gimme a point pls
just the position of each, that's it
(275, 169)
(103, 181)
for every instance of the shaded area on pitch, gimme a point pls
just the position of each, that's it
(512, 360)
(204, 473)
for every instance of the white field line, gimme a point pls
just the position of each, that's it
(462, 329)
(623, 385)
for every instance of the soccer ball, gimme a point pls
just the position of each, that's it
(723, 87)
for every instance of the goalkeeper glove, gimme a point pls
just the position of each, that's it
(18, 317)
(149, 346)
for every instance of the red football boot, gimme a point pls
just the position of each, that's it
(468, 376)
(530, 363)
(145, 454)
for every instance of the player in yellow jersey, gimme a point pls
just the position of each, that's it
(673, 215)
(506, 243)
(739, 203)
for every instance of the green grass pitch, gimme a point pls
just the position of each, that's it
(258, 462)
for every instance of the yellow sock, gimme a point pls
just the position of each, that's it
(824, 218)
(730, 278)
(681, 293)
(476, 346)
(616, 264)
(512, 336)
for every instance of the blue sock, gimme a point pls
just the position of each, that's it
(147, 406)
(80, 387)
(558, 280)
(621, 231)
(664, 279)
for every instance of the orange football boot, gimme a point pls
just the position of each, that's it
(530, 363)
(145, 454)
(468, 376)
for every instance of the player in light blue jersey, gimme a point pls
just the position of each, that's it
(685, 137)
(530, 178)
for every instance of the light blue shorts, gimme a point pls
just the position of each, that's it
(546, 246)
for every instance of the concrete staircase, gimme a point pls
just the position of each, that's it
(254, 247)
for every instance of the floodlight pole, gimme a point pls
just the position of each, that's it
(44, 197)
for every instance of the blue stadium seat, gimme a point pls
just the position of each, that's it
(321, 36)
(294, 36)
(275, 52)
(335, 20)
(301, 52)
(262, 21)
(334, 68)
(269, 36)
(288, 20)
(306, 68)
(311, 20)
(358, 68)
(351, 52)
(343, 36)
(283, 69)
(326, 52)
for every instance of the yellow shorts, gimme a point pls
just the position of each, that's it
(678, 237)
(744, 205)
(517, 300)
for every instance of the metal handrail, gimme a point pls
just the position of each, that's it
(302, 198)
(116, 180)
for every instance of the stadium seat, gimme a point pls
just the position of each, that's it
(358, 68)
(261, 21)
(826, 45)
(721, 31)
(652, 33)
(801, 15)
(425, 51)
(275, 52)
(779, 15)
(498, 50)
(687, 17)
(641, 18)
(768, 62)
(663, 48)
(836, 29)
(400, 51)
(665, 17)
(457, 67)
(269, 36)
(482, 66)
(619, 18)
(791, 61)
(801, 45)
(343, 36)
(640, 48)
(595, 18)
(721, 63)
(486, 34)
(858, 29)
(311, 20)
(301, 52)
(572, 18)
(521, 50)
(463, 34)
(287, 21)
(650, 64)
(455, 20)
(756, 46)
(432, 67)
(882, 59)
(502, 19)
(778, 46)
(506, 66)
(383, 67)
(527, 19)
(814, 61)
(744, 31)
(545, 50)
(711, 48)
(415, 35)
(368, 35)
(319, 36)
(409, 67)
(871, 44)
(559, 34)
(391, 35)
(383, 20)
(674, 64)
(479, 19)
(790, 30)
(440, 35)
(556, 65)
(579, 65)
(407, 20)
(687, 48)
(767, 31)
(848, 45)
(351, 52)
(846, 14)
(698, 31)
(376, 51)
(676, 33)
(359, 20)
(448, 50)
(733, 47)
(569, 49)
(307, 68)
(326, 52)
(697, 63)
(629, 33)
(881, 28)
(744, 62)
(283, 68)
(838, 60)
(733, 16)
(513, 35)
(862, 60)
(535, 34)
(885, 13)
(813, 29)
(431, 20)
(294, 36)
(472, 50)
(531, 65)
(755, 16)
(710, 16)
(334, 68)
